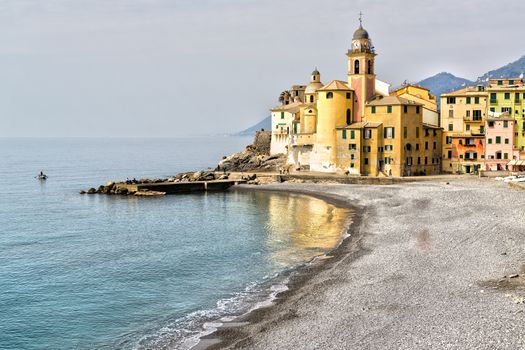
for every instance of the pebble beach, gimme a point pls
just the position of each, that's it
(434, 264)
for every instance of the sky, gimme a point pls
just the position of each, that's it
(169, 68)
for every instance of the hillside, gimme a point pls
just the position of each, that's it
(512, 70)
(444, 82)
(265, 124)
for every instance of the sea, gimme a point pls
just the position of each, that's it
(123, 272)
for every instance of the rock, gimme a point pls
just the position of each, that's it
(514, 275)
(110, 184)
(253, 182)
(223, 177)
(91, 191)
(82, 192)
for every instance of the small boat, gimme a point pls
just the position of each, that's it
(41, 177)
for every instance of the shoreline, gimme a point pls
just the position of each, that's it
(420, 270)
(231, 331)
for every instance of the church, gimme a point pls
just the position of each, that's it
(358, 126)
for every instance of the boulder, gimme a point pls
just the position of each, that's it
(146, 193)
(82, 192)
(91, 191)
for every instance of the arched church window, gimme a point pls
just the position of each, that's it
(329, 95)
(369, 67)
(348, 117)
(356, 67)
(311, 98)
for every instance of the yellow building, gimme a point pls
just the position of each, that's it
(355, 127)
(392, 141)
(463, 115)
(423, 96)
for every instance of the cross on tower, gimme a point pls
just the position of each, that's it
(360, 18)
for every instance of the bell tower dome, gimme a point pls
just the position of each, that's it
(361, 69)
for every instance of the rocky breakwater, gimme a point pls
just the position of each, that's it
(252, 160)
(138, 187)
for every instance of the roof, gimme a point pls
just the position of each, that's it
(469, 90)
(290, 108)
(360, 125)
(335, 85)
(313, 87)
(360, 33)
(392, 100)
(467, 135)
(409, 85)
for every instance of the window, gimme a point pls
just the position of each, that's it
(427, 133)
(448, 140)
(352, 165)
(311, 98)
(389, 133)
(417, 146)
(329, 95)
(405, 132)
(426, 144)
(426, 160)
(387, 160)
(367, 149)
(505, 156)
(366, 161)
(348, 117)
(451, 100)
(490, 141)
(476, 100)
(491, 124)
(493, 97)
(417, 109)
(344, 134)
(352, 156)
(492, 109)
(356, 67)
(417, 131)
(409, 160)
(368, 133)
(507, 96)
(468, 100)
(418, 160)
(434, 145)
(500, 82)
(352, 147)
(369, 67)
(476, 114)
(511, 82)
(506, 141)
(405, 109)
(373, 109)
(389, 109)
(282, 115)
(348, 95)
(450, 127)
(389, 148)
(434, 132)
(449, 154)
(352, 134)
(505, 123)
(498, 139)
(451, 113)
(467, 127)
(460, 142)
(468, 113)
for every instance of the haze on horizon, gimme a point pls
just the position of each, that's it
(174, 68)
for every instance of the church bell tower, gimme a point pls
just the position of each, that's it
(361, 70)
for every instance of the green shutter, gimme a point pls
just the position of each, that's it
(352, 134)
(344, 134)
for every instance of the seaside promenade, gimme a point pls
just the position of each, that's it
(437, 264)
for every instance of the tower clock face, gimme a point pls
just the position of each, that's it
(357, 45)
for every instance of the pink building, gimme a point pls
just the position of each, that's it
(499, 143)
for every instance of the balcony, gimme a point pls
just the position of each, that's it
(303, 140)
(494, 102)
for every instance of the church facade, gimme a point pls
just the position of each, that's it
(358, 126)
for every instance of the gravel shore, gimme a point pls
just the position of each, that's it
(428, 266)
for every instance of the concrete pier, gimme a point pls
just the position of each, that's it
(181, 187)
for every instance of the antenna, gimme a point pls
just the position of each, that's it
(360, 18)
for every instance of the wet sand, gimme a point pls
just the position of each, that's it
(427, 266)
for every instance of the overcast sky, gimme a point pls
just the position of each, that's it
(185, 67)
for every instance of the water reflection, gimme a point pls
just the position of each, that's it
(299, 227)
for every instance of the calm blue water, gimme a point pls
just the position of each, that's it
(88, 272)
